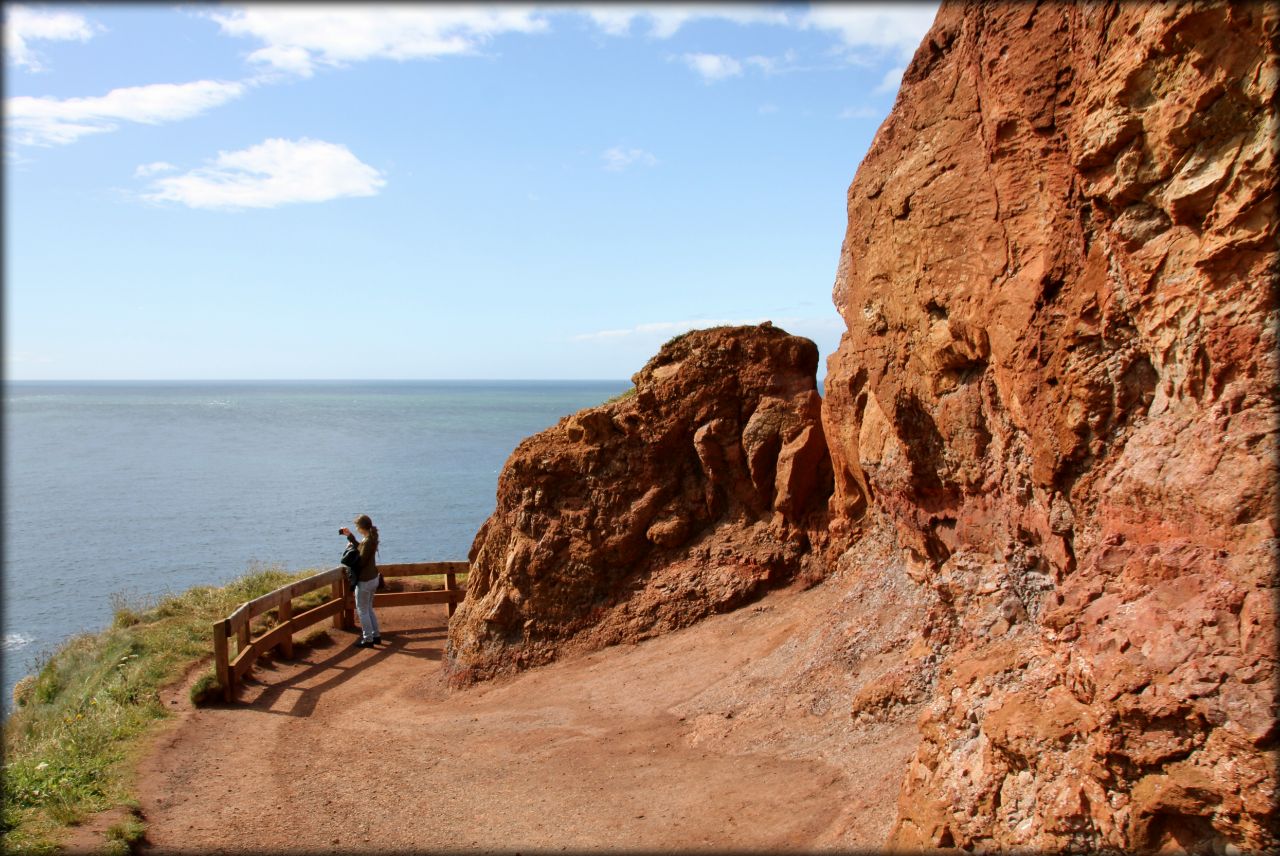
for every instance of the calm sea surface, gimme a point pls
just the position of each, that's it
(142, 488)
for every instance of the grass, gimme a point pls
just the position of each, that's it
(622, 396)
(81, 721)
(123, 836)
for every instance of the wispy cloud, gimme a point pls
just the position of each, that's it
(664, 21)
(618, 158)
(892, 27)
(297, 39)
(273, 173)
(861, 112)
(23, 25)
(49, 121)
(892, 80)
(884, 27)
(149, 169)
(713, 67)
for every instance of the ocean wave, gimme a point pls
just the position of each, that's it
(16, 641)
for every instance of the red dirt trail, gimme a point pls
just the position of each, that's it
(630, 748)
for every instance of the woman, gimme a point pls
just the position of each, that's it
(367, 581)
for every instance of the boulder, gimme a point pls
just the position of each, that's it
(704, 486)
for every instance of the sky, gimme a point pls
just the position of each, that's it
(426, 191)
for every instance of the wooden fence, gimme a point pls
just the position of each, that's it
(341, 608)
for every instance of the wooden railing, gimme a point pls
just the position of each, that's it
(340, 607)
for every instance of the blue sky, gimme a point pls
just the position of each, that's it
(215, 192)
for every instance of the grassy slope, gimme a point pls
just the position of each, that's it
(69, 745)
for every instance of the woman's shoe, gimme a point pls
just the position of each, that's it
(365, 643)
(377, 640)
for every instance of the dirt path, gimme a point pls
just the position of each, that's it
(635, 747)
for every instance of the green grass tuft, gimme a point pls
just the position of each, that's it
(85, 713)
(622, 396)
(122, 836)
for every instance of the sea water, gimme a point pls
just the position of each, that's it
(142, 488)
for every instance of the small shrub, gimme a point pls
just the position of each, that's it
(316, 637)
(622, 396)
(23, 690)
(122, 836)
(205, 689)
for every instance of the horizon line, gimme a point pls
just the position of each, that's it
(321, 380)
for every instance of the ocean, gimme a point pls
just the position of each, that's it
(141, 488)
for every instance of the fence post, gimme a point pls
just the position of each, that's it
(285, 613)
(220, 658)
(348, 606)
(336, 594)
(242, 635)
(451, 584)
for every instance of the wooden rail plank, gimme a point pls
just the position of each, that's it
(418, 569)
(316, 614)
(244, 661)
(273, 599)
(412, 598)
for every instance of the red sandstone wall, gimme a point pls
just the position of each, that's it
(1058, 390)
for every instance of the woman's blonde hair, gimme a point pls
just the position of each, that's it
(363, 523)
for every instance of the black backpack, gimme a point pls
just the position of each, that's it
(351, 562)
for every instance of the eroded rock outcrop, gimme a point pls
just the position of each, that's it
(1058, 392)
(705, 486)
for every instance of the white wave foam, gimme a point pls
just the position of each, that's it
(15, 641)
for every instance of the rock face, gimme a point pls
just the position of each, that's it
(705, 486)
(1058, 392)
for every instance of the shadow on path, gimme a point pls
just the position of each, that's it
(297, 691)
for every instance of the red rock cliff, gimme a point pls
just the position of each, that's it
(1058, 392)
(705, 486)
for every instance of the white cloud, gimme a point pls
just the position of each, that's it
(768, 64)
(149, 169)
(891, 81)
(664, 21)
(617, 158)
(297, 38)
(895, 27)
(49, 121)
(273, 173)
(713, 67)
(861, 113)
(23, 25)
